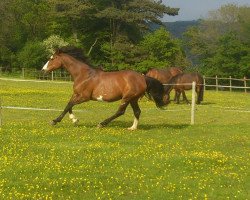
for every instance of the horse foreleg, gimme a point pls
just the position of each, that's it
(60, 117)
(75, 99)
(137, 112)
(121, 110)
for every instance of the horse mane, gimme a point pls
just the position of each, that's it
(75, 52)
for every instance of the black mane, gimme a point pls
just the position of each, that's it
(75, 52)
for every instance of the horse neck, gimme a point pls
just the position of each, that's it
(75, 67)
(171, 83)
(168, 88)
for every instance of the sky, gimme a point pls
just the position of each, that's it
(196, 9)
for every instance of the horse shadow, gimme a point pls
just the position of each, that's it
(207, 103)
(163, 125)
(142, 126)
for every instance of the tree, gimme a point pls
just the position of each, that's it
(109, 30)
(53, 42)
(162, 50)
(220, 43)
(129, 18)
(229, 58)
(20, 21)
(32, 55)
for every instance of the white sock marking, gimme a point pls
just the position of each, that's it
(100, 98)
(73, 118)
(135, 124)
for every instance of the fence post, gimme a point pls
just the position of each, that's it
(23, 71)
(245, 84)
(204, 82)
(216, 82)
(230, 83)
(193, 103)
(52, 75)
(1, 118)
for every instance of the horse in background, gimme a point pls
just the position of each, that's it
(165, 75)
(183, 82)
(98, 85)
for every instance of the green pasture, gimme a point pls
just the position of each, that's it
(166, 158)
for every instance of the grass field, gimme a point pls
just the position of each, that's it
(166, 158)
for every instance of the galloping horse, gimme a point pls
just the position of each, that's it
(164, 76)
(97, 85)
(183, 82)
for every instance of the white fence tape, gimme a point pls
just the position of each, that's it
(35, 81)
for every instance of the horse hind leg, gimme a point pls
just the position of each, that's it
(178, 94)
(121, 110)
(185, 97)
(199, 92)
(175, 95)
(137, 112)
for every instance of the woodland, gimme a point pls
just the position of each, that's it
(118, 34)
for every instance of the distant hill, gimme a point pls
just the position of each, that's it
(179, 27)
(176, 28)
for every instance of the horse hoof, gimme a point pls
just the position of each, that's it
(75, 122)
(132, 129)
(101, 125)
(52, 123)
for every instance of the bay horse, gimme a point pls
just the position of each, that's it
(164, 76)
(98, 85)
(183, 82)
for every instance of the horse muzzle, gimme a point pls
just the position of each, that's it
(45, 72)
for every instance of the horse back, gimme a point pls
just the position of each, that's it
(175, 71)
(161, 75)
(184, 80)
(191, 77)
(112, 86)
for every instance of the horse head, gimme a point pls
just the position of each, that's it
(53, 63)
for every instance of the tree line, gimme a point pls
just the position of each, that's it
(117, 34)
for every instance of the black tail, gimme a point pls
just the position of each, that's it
(155, 91)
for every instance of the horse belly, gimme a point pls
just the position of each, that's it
(106, 93)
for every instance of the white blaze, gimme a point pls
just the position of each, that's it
(45, 66)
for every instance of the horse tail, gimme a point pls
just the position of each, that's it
(155, 91)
